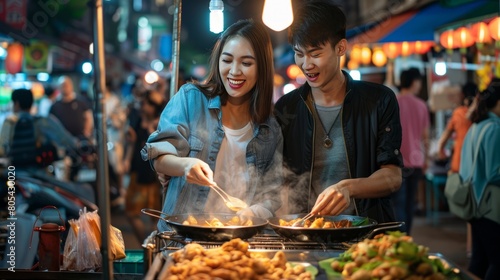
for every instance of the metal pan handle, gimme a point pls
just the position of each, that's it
(154, 213)
(382, 227)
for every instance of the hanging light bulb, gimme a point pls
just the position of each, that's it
(216, 16)
(277, 14)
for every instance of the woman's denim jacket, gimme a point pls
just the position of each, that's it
(191, 126)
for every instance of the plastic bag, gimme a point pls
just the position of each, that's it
(71, 247)
(116, 243)
(89, 253)
(82, 249)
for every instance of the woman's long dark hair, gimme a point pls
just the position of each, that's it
(262, 94)
(488, 99)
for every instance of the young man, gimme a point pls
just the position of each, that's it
(341, 137)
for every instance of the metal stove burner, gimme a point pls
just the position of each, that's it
(170, 241)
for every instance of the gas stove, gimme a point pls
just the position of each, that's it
(170, 241)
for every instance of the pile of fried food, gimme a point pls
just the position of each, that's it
(214, 222)
(390, 256)
(230, 261)
(318, 222)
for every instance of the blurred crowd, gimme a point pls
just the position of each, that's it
(63, 120)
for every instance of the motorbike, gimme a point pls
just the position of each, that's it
(26, 193)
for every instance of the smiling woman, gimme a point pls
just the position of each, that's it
(222, 130)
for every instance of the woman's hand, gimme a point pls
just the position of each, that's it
(197, 172)
(163, 179)
(333, 200)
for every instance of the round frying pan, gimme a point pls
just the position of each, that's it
(204, 232)
(330, 235)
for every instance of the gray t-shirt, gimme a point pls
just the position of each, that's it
(330, 163)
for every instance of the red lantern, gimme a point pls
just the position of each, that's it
(392, 50)
(366, 55)
(407, 48)
(480, 32)
(447, 39)
(494, 27)
(355, 53)
(14, 58)
(422, 47)
(463, 38)
(379, 58)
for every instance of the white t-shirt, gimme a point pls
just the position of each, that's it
(231, 173)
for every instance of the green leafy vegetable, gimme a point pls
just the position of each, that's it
(394, 253)
(360, 222)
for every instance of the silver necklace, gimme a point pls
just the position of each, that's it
(327, 142)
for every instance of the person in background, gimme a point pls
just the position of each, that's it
(485, 259)
(341, 136)
(222, 131)
(46, 130)
(144, 189)
(50, 95)
(116, 122)
(81, 123)
(415, 122)
(75, 116)
(458, 124)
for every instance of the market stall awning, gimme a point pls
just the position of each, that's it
(421, 25)
(359, 29)
(380, 30)
(489, 10)
(427, 20)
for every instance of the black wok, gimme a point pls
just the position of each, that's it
(209, 233)
(331, 235)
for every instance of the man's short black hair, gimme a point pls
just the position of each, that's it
(24, 97)
(317, 22)
(408, 76)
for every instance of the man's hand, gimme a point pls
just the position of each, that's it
(333, 200)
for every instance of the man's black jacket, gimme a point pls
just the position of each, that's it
(372, 134)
